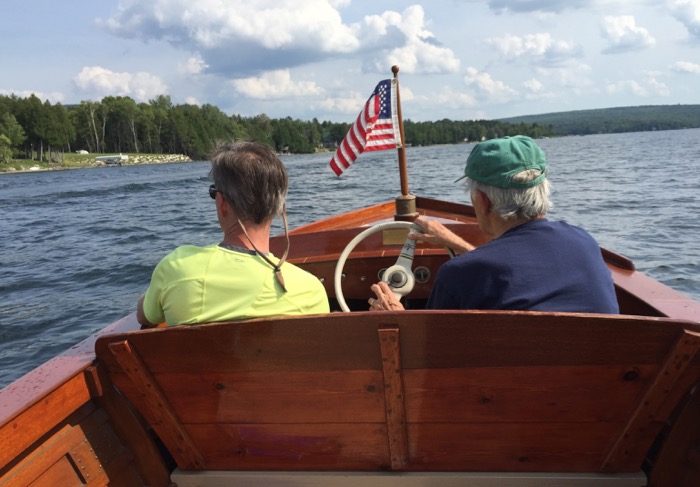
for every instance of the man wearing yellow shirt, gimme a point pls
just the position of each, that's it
(238, 278)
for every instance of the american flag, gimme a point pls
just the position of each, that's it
(376, 128)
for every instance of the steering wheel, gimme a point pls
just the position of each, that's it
(399, 276)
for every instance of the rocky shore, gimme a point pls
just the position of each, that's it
(75, 161)
(148, 159)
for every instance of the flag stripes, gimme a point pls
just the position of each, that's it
(376, 128)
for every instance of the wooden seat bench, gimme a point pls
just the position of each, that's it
(412, 395)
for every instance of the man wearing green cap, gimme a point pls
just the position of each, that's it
(531, 263)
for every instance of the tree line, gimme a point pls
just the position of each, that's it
(617, 119)
(32, 129)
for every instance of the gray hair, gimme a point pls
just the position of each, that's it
(527, 203)
(251, 178)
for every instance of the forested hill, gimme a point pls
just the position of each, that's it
(619, 119)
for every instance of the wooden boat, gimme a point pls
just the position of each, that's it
(456, 397)
(479, 398)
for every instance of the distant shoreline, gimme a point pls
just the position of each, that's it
(80, 161)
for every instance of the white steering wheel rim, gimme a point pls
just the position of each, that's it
(337, 276)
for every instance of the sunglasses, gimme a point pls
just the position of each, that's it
(213, 191)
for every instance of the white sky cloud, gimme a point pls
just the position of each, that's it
(571, 75)
(534, 89)
(536, 5)
(350, 104)
(686, 67)
(644, 88)
(627, 86)
(191, 100)
(541, 46)
(252, 36)
(210, 24)
(101, 81)
(688, 13)
(623, 34)
(485, 86)
(418, 52)
(449, 97)
(533, 85)
(275, 84)
(255, 35)
(193, 65)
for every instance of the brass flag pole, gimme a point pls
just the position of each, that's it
(406, 203)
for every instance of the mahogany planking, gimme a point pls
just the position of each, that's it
(464, 373)
(509, 447)
(347, 396)
(328, 446)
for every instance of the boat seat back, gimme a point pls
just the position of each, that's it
(410, 391)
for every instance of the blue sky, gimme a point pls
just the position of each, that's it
(459, 59)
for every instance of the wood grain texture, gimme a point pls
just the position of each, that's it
(342, 396)
(502, 391)
(26, 428)
(147, 458)
(328, 446)
(156, 408)
(645, 422)
(509, 447)
(394, 397)
(83, 451)
(678, 462)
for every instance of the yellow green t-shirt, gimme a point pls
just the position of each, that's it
(207, 284)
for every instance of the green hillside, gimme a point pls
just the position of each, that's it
(619, 119)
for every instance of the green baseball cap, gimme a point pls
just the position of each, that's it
(495, 162)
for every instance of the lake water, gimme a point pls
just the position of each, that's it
(78, 247)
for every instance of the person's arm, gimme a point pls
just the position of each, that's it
(386, 300)
(438, 234)
(141, 316)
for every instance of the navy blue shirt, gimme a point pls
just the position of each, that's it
(540, 265)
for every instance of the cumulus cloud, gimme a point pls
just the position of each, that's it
(406, 94)
(623, 34)
(541, 47)
(274, 85)
(644, 88)
(688, 13)
(485, 86)
(418, 50)
(350, 104)
(53, 96)
(534, 89)
(625, 86)
(240, 36)
(533, 85)
(191, 100)
(212, 23)
(100, 81)
(686, 67)
(536, 5)
(574, 74)
(453, 99)
(244, 37)
(193, 66)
